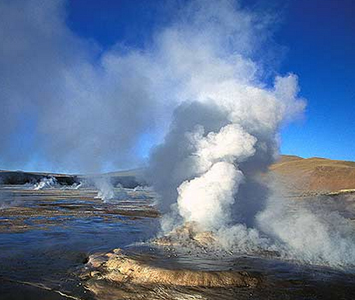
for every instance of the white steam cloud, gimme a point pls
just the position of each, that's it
(84, 109)
(213, 192)
(107, 192)
(46, 183)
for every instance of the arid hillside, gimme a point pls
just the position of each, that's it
(315, 174)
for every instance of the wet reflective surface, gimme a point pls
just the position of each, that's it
(47, 236)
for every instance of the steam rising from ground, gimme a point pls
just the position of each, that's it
(107, 191)
(208, 166)
(203, 75)
(46, 183)
(8, 199)
(114, 194)
(309, 232)
(208, 169)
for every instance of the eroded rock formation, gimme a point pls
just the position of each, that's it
(121, 268)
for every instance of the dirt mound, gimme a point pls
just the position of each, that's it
(120, 268)
(186, 235)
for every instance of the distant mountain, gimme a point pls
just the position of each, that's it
(127, 178)
(315, 174)
(20, 177)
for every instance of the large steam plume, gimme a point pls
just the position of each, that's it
(227, 131)
(68, 105)
(208, 168)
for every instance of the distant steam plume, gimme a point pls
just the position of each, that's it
(46, 183)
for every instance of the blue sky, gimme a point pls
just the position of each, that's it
(318, 44)
(320, 36)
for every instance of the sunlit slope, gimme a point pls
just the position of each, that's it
(315, 174)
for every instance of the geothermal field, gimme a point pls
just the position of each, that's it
(145, 149)
(77, 241)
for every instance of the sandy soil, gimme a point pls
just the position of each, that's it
(315, 174)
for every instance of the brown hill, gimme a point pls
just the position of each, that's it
(315, 174)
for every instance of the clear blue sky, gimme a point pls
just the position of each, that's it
(320, 36)
(319, 46)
